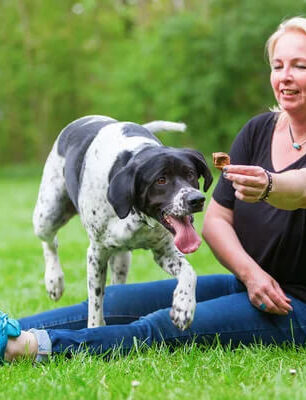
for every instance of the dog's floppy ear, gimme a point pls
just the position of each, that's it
(121, 190)
(198, 159)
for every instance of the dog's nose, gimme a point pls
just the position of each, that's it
(195, 201)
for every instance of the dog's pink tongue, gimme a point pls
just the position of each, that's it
(186, 239)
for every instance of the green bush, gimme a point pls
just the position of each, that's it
(202, 64)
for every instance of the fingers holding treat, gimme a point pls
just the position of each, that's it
(250, 182)
(220, 160)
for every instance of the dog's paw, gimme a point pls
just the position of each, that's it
(182, 311)
(55, 286)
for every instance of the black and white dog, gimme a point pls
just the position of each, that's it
(131, 192)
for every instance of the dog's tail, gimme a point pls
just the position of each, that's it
(156, 126)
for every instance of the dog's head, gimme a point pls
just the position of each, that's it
(162, 182)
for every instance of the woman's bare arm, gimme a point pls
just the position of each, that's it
(250, 182)
(220, 235)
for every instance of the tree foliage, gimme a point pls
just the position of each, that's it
(201, 62)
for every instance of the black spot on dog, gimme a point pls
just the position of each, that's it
(98, 291)
(138, 130)
(73, 144)
(120, 162)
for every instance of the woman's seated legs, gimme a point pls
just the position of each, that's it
(126, 303)
(223, 309)
(231, 317)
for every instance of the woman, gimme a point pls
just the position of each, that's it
(255, 225)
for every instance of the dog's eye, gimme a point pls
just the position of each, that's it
(161, 180)
(191, 175)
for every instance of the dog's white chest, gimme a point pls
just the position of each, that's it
(131, 233)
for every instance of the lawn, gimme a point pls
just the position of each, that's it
(188, 372)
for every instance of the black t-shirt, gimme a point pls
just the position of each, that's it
(274, 238)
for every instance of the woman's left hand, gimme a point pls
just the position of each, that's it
(264, 290)
(249, 182)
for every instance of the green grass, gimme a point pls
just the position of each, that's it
(188, 372)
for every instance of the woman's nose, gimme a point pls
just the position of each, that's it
(287, 74)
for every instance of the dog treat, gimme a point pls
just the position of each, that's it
(221, 159)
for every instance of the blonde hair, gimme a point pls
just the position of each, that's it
(292, 24)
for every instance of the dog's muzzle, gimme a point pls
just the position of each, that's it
(194, 201)
(178, 219)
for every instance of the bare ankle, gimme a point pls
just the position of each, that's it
(24, 345)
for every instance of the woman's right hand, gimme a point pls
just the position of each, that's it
(263, 289)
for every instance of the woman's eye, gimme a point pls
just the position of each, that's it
(301, 66)
(161, 180)
(276, 67)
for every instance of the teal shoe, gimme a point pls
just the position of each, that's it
(8, 327)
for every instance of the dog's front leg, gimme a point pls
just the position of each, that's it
(96, 278)
(184, 302)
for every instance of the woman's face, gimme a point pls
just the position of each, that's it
(288, 74)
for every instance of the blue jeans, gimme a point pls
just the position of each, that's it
(141, 311)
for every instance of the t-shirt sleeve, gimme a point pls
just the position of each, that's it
(224, 193)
